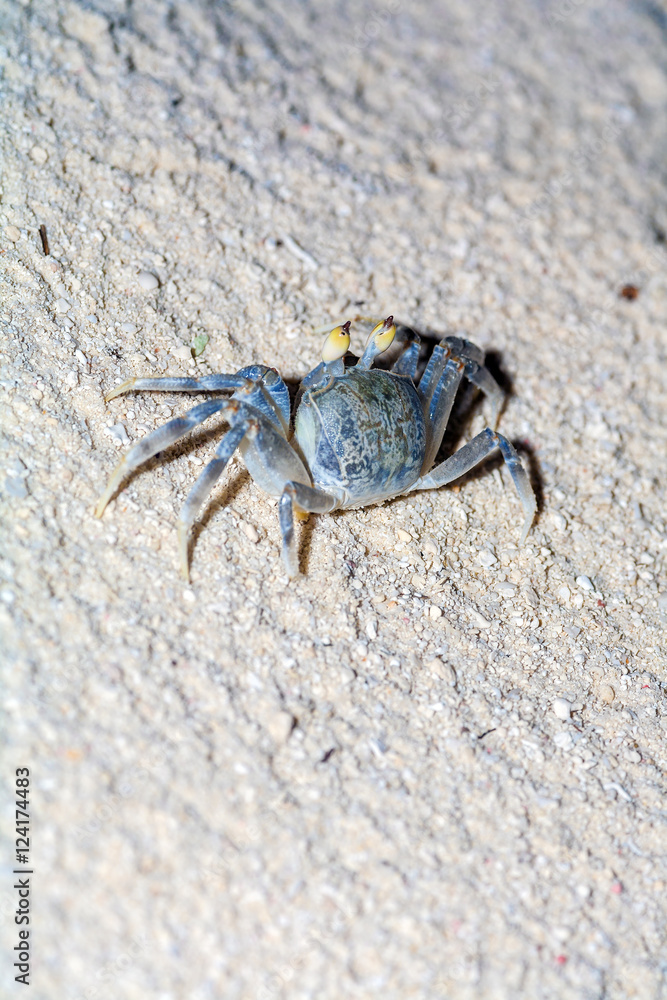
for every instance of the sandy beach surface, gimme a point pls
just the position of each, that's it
(433, 765)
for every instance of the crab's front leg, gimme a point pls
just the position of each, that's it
(270, 460)
(302, 498)
(277, 468)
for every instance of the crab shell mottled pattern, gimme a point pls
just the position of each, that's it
(362, 435)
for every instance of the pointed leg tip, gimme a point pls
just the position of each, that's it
(120, 389)
(291, 566)
(183, 541)
(102, 504)
(185, 567)
(528, 524)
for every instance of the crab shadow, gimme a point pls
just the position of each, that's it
(183, 447)
(222, 498)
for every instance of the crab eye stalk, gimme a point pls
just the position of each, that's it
(384, 333)
(380, 339)
(336, 345)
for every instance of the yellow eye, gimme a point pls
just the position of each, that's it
(336, 344)
(383, 334)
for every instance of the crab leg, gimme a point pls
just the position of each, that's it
(439, 369)
(209, 383)
(302, 498)
(471, 455)
(205, 484)
(406, 364)
(272, 463)
(482, 378)
(160, 439)
(440, 403)
(464, 349)
(432, 374)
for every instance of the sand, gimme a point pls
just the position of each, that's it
(434, 764)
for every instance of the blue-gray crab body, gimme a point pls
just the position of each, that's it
(362, 435)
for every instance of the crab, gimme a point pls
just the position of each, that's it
(358, 435)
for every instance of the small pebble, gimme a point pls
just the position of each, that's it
(62, 305)
(119, 435)
(607, 693)
(280, 725)
(250, 532)
(563, 741)
(38, 155)
(403, 535)
(12, 233)
(562, 708)
(148, 281)
(558, 521)
(430, 546)
(584, 582)
(479, 619)
(189, 596)
(7, 596)
(434, 611)
(633, 756)
(506, 589)
(129, 328)
(486, 558)
(442, 670)
(371, 630)
(182, 353)
(16, 487)
(16, 467)
(531, 597)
